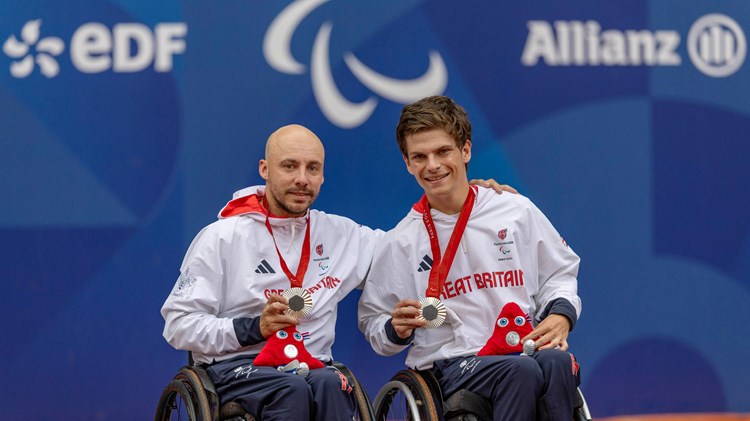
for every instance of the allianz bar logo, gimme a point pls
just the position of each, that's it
(96, 48)
(716, 45)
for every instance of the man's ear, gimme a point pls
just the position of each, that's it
(263, 169)
(406, 162)
(466, 151)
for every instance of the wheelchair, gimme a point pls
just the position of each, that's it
(415, 395)
(191, 395)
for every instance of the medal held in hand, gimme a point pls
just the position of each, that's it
(299, 299)
(432, 310)
(300, 302)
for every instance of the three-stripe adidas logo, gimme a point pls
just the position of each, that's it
(264, 267)
(425, 264)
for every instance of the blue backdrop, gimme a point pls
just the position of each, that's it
(126, 124)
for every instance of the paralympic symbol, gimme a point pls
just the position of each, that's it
(334, 105)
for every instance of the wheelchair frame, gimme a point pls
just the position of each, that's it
(423, 401)
(192, 395)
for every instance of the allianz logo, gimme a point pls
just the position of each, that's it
(95, 48)
(716, 45)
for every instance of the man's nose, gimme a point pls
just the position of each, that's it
(432, 162)
(300, 178)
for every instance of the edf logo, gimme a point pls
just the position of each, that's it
(94, 48)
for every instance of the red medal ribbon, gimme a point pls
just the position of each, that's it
(295, 280)
(441, 266)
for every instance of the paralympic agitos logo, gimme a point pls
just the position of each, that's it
(334, 105)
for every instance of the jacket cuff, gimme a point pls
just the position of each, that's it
(392, 336)
(247, 330)
(562, 307)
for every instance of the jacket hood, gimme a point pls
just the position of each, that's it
(247, 200)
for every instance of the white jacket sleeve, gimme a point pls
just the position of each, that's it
(380, 295)
(364, 241)
(190, 312)
(557, 263)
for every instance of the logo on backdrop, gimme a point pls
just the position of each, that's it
(337, 109)
(716, 45)
(46, 50)
(95, 48)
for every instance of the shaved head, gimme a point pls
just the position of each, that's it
(293, 170)
(292, 136)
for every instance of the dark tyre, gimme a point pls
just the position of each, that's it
(175, 403)
(406, 397)
(363, 407)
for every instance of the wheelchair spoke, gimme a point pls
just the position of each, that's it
(175, 403)
(405, 398)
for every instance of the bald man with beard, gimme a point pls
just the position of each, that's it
(227, 300)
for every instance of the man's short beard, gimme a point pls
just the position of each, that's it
(284, 206)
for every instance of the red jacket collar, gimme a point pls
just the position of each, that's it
(243, 205)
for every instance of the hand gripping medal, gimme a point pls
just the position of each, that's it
(299, 299)
(433, 310)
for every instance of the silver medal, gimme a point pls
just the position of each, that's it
(432, 311)
(300, 302)
(512, 338)
(528, 347)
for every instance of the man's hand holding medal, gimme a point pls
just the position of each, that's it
(275, 316)
(405, 318)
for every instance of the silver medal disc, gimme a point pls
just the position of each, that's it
(300, 302)
(528, 347)
(512, 338)
(432, 311)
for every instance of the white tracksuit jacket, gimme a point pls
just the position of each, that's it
(232, 266)
(509, 252)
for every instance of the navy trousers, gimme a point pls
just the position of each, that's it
(325, 394)
(541, 387)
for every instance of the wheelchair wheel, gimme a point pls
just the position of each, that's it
(581, 410)
(406, 397)
(361, 400)
(185, 398)
(175, 403)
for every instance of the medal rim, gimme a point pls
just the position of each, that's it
(441, 312)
